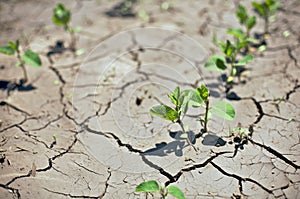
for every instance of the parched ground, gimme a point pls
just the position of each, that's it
(81, 127)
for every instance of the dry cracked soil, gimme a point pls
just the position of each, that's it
(81, 128)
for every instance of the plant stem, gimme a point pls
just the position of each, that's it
(206, 115)
(187, 139)
(22, 66)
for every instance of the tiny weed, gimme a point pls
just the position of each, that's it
(28, 57)
(267, 10)
(239, 136)
(62, 17)
(153, 187)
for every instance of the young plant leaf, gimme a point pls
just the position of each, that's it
(260, 8)
(238, 33)
(223, 109)
(149, 186)
(241, 13)
(174, 97)
(61, 16)
(7, 50)
(251, 22)
(193, 97)
(245, 60)
(216, 63)
(203, 92)
(14, 45)
(165, 112)
(176, 192)
(32, 58)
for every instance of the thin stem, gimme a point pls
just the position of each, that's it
(73, 39)
(22, 66)
(184, 132)
(206, 115)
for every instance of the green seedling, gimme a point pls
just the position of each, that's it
(28, 57)
(62, 17)
(219, 108)
(176, 114)
(245, 19)
(230, 50)
(239, 136)
(153, 187)
(267, 10)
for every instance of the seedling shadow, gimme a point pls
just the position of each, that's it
(163, 148)
(123, 9)
(58, 48)
(13, 85)
(213, 140)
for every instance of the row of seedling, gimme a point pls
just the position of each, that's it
(236, 54)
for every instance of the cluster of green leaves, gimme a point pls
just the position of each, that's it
(192, 98)
(28, 57)
(153, 187)
(245, 20)
(230, 51)
(266, 9)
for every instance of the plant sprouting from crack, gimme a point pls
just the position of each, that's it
(62, 17)
(153, 187)
(176, 114)
(219, 108)
(267, 10)
(239, 136)
(28, 57)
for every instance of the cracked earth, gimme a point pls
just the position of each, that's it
(82, 128)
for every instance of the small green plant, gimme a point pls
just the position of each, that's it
(239, 136)
(153, 187)
(245, 19)
(267, 9)
(28, 57)
(62, 17)
(230, 50)
(176, 115)
(222, 109)
(193, 98)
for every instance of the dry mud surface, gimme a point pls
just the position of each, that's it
(97, 104)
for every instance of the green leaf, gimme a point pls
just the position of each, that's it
(216, 63)
(260, 8)
(251, 22)
(149, 186)
(203, 92)
(229, 50)
(241, 13)
(14, 45)
(192, 96)
(32, 58)
(176, 192)
(238, 33)
(165, 112)
(61, 16)
(245, 60)
(7, 50)
(174, 97)
(223, 109)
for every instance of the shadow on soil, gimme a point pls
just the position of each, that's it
(13, 85)
(163, 148)
(122, 9)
